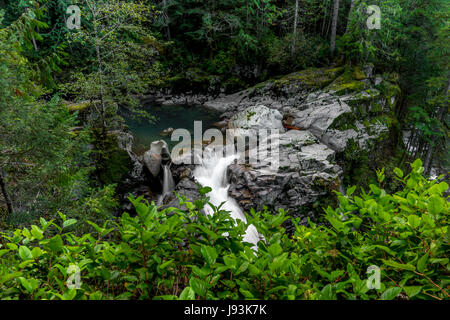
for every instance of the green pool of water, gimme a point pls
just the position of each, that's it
(175, 116)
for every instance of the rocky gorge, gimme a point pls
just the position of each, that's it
(331, 120)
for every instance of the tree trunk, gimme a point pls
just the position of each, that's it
(429, 155)
(165, 17)
(295, 28)
(334, 26)
(349, 15)
(100, 70)
(324, 22)
(5, 193)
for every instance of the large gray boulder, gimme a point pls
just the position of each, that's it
(306, 172)
(257, 117)
(153, 158)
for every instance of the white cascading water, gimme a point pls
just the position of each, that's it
(213, 173)
(168, 182)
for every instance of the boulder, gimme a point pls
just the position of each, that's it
(257, 117)
(167, 132)
(153, 158)
(306, 172)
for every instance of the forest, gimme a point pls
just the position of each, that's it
(98, 203)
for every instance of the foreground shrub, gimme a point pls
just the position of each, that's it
(182, 254)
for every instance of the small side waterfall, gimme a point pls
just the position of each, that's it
(168, 183)
(213, 173)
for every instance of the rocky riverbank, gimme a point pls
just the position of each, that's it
(331, 121)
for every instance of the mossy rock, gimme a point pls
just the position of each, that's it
(366, 101)
(314, 78)
(390, 91)
(346, 83)
(393, 77)
(80, 107)
(344, 122)
(343, 88)
(358, 73)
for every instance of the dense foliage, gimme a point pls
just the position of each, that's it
(183, 254)
(61, 91)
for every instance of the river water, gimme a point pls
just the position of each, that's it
(174, 116)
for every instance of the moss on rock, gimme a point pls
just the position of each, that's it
(80, 107)
(314, 78)
(358, 73)
(390, 91)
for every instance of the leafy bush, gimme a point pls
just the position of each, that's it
(183, 254)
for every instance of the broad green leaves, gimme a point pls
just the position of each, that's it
(185, 255)
(187, 294)
(210, 254)
(435, 204)
(25, 253)
(391, 293)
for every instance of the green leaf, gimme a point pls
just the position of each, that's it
(399, 265)
(200, 272)
(69, 222)
(26, 284)
(247, 294)
(413, 221)
(62, 216)
(97, 295)
(416, 165)
(9, 276)
(275, 249)
(36, 252)
(443, 186)
(165, 264)
(56, 243)
(210, 254)
(391, 293)
(327, 292)
(398, 172)
(412, 290)
(204, 190)
(242, 267)
(200, 287)
(3, 252)
(187, 294)
(435, 204)
(278, 262)
(12, 246)
(69, 294)
(220, 269)
(351, 190)
(422, 263)
(338, 225)
(25, 253)
(108, 256)
(37, 232)
(230, 262)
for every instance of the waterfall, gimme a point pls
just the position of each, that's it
(168, 183)
(213, 173)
